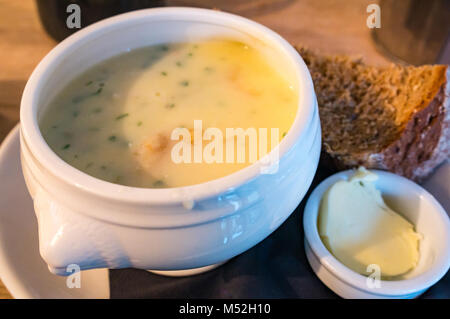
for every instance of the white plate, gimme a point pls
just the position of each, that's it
(21, 268)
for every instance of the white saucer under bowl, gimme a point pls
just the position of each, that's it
(24, 272)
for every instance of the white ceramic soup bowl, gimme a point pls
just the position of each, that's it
(95, 224)
(416, 205)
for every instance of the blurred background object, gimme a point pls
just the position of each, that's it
(415, 31)
(412, 31)
(53, 13)
(247, 8)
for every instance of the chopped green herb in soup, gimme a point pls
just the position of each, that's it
(114, 122)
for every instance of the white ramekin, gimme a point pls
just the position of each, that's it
(418, 206)
(92, 223)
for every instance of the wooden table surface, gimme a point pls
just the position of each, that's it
(331, 26)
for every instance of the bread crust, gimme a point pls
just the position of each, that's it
(422, 145)
(441, 152)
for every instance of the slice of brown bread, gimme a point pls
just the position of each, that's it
(395, 118)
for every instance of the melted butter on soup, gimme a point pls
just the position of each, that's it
(114, 122)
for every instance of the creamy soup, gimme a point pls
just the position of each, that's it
(115, 121)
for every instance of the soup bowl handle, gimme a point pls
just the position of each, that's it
(60, 243)
(68, 239)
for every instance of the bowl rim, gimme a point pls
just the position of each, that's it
(99, 188)
(354, 279)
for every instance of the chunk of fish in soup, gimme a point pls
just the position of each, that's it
(114, 122)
